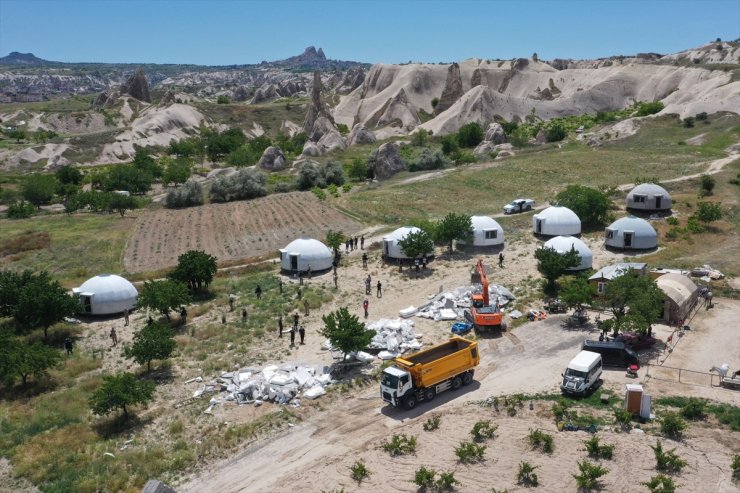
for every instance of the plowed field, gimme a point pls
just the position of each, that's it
(230, 231)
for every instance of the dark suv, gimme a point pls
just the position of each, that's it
(613, 353)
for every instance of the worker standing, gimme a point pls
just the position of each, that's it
(244, 315)
(113, 336)
(258, 292)
(309, 271)
(296, 317)
(68, 345)
(125, 317)
(336, 280)
(302, 333)
(365, 305)
(501, 260)
(306, 307)
(379, 292)
(362, 242)
(280, 326)
(292, 336)
(368, 284)
(364, 259)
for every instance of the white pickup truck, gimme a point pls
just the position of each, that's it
(519, 205)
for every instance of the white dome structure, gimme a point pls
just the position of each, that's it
(563, 244)
(391, 248)
(631, 233)
(486, 231)
(301, 253)
(106, 294)
(556, 221)
(649, 197)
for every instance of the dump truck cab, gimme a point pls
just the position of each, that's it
(395, 383)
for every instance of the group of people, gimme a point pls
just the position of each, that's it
(300, 329)
(378, 287)
(351, 243)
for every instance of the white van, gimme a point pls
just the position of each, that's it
(583, 373)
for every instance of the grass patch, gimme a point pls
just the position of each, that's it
(727, 414)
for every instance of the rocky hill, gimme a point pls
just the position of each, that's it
(394, 99)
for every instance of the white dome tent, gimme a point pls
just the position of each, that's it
(486, 231)
(563, 244)
(301, 253)
(555, 221)
(649, 197)
(106, 294)
(391, 248)
(631, 233)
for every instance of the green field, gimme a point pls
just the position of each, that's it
(657, 150)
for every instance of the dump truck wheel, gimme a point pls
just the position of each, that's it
(467, 378)
(410, 402)
(429, 394)
(456, 383)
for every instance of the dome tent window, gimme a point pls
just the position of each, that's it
(486, 232)
(640, 199)
(491, 235)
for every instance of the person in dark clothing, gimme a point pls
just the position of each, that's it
(292, 336)
(296, 317)
(280, 285)
(365, 305)
(302, 333)
(379, 292)
(244, 315)
(298, 293)
(306, 307)
(280, 326)
(362, 242)
(258, 291)
(501, 260)
(125, 317)
(184, 315)
(114, 336)
(68, 345)
(149, 321)
(368, 284)
(336, 280)
(364, 260)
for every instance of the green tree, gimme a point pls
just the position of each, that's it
(649, 108)
(334, 240)
(153, 341)
(69, 175)
(345, 331)
(416, 243)
(470, 135)
(450, 145)
(707, 185)
(144, 162)
(635, 302)
(453, 227)
(125, 177)
(552, 264)
(419, 138)
(177, 172)
(18, 135)
(555, 132)
(21, 360)
(195, 269)
(120, 203)
(590, 205)
(39, 189)
(358, 169)
(42, 302)
(163, 296)
(577, 293)
(222, 99)
(708, 212)
(519, 137)
(120, 392)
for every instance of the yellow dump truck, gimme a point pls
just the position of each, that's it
(423, 375)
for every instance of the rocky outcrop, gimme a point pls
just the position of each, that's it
(169, 97)
(330, 141)
(495, 133)
(242, 93)
(272, 159)
(316, 108)
(310, 149)
(352, 79)
(320, 127)
(453, 89)
(476, 79)
(360, 134)
(137, 86)
(396, 112)
(268, 92)
(485, 147)
(386, 161)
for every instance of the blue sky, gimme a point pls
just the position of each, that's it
(241, 31)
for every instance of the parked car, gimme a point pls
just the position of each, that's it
(582, 374)
(519, 205)
(636, 341)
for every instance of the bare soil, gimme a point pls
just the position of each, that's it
(231, 231)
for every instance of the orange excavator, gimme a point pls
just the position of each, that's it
(483, 315)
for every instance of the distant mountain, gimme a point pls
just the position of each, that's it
(16, 59)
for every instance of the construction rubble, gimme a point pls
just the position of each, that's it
(706, 273)
(284, 384)
(451, 305)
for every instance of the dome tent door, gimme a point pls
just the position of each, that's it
(86, 303)
(658, 201)
(539, 226)
(628, 238)
(293, 261)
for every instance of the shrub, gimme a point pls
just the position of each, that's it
(469, 452)
(358, 169)
(702, 117)
(331, 173)
(671, 425)
(526, 475)
(707, 212)
(672, 221)
(359, 471)
(558, 410)
(347, 187)
(667, 461)
(427, 160)
(432, 423)
(222, 99)
(449, 145)
(694, 409)
(483, 430)
(464, 157)
(470, 135)
(519, 137)
(308, 176)
(735, 467)
(555, 133)
(333, 190)
(589, 204)
(435, 102)
(424, 478)
(343, 129)
(688, 122)
(419, 138)
(400, 445)
(282, 187)
(320, 194)
(661, 484)
(649, 108)
(707, 184)
(446, 481)
(20, 210)
(244, 184)
(543, 441)
(588, 478)
(188, 195)
(597, 451)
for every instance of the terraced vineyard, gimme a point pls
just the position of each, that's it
(230, 231)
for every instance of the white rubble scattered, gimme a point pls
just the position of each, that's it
(394, 337)
(707, 271)
(451, 305)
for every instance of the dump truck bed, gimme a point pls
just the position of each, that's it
(441, 362)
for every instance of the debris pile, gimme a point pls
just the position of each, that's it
(451, 305)
(282, 384)
(706, 273)
(394, 337)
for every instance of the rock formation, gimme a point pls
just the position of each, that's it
(485, 147)
(169, 97)
(386, 161)
(397, 112)
(272, 159)
(453, 89)
(137, 86)
(321, 126)
(495, 134)
(316, 110)
(310, 149)
(361, 135)
(242, 93)
(352, 79)
(331, 140)
(476, 79)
